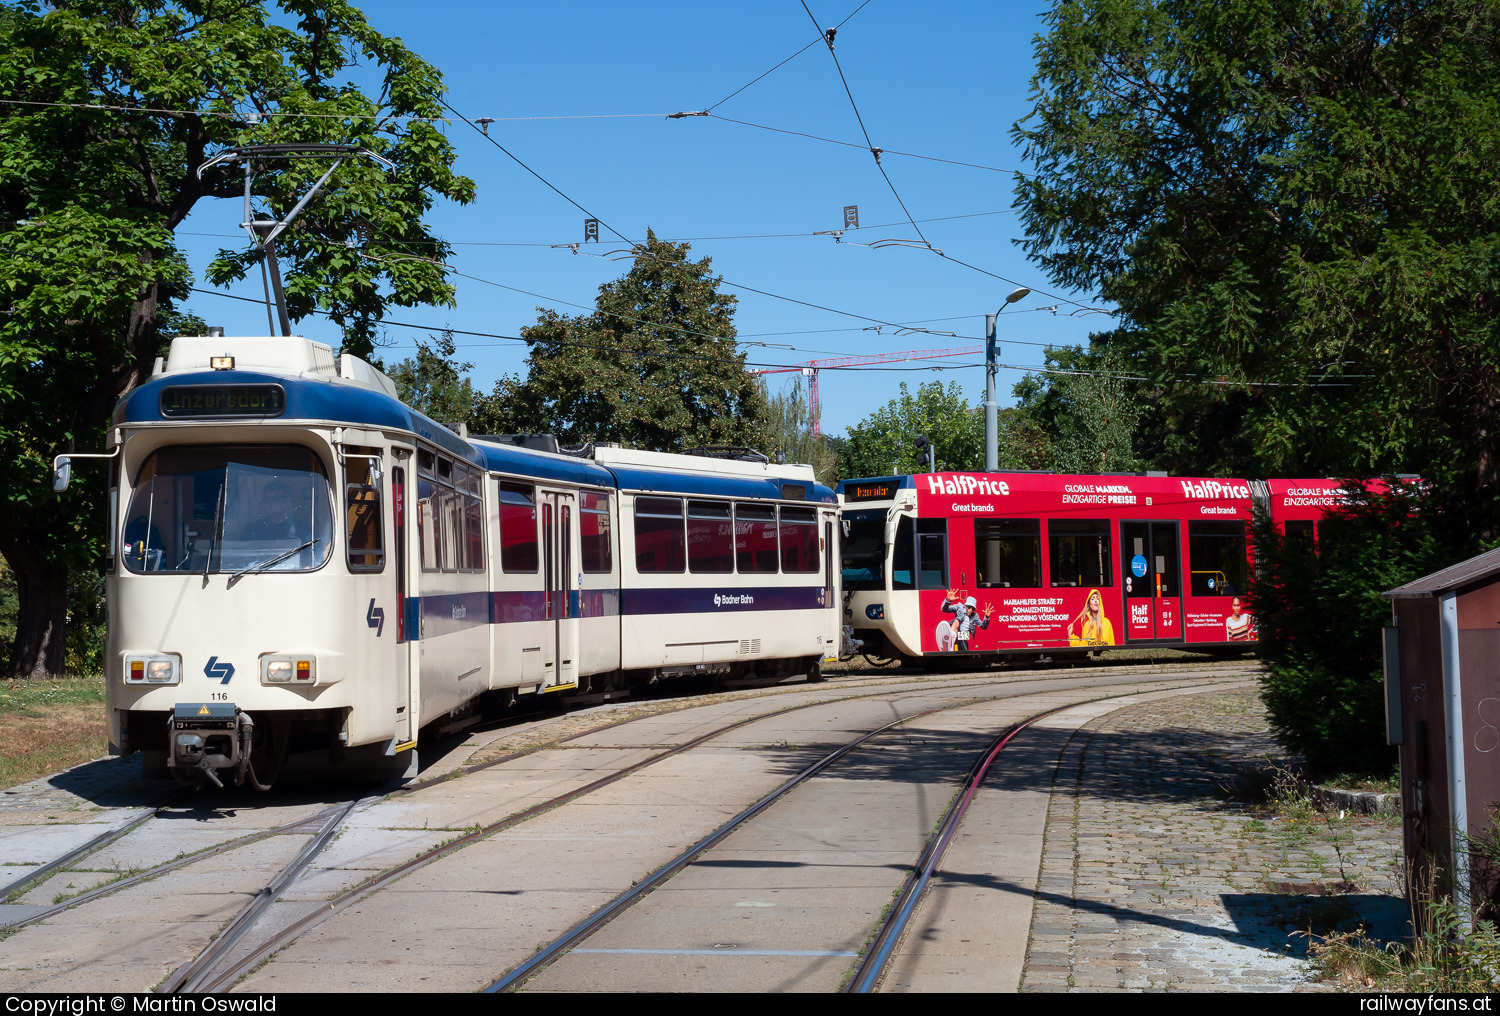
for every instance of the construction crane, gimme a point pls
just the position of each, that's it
(810, 370)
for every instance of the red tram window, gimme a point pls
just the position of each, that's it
(710, 537)
(660, 545)
(799, 540)
(755, 538)
(593, 522)
(518, 541)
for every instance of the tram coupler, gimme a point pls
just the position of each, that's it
(848, 644)
(205, 737)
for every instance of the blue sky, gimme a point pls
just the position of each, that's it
(580, 92)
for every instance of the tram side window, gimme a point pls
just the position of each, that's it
(1080, 554)
(593, 520)
(362, 522)
(903, 556)
(710, 537)
(660, 545)
(932, 553)
(450, 508)
(1008, 553)
(755, 538)
(518, 542)
(429, 535)
(473, 520)
(799, 540)
(1300, 534)
(1216, 555)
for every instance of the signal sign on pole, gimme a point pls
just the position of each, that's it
(851, 216)
(590, 230)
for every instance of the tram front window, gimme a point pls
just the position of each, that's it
(862, 550)
(205, 509)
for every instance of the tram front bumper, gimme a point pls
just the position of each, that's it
(207, 736)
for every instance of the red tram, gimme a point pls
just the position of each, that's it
(985, 563)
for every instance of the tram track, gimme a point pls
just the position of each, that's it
(880, 940)
(220, 966)
(269, 979)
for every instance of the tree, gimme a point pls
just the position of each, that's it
(1087, 407)
(884, 440)
(1296, 207)
(1319, 616)
(108, 110)
(433, 382)
(788, 432)
(654, 366)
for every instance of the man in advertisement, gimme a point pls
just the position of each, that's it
(967, 618)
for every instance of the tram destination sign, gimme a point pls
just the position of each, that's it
(188, 401)
(869, 491)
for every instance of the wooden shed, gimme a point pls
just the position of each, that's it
(1442, 682)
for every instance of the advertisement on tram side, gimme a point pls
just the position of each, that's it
(1036, 561)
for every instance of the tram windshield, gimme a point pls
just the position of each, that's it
(212, 508)
(862, 550)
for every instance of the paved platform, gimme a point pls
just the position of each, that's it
(1162, 869)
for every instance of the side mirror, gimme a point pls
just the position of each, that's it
(62, 473)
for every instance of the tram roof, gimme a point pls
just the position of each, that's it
(330, 400)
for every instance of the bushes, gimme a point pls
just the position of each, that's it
(1320, 615)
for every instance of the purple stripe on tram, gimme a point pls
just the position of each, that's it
(446, 613)
(676, 600)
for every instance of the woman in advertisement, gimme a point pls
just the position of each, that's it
(1096, 631)
(1237, 624)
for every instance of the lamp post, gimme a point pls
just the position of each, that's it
(991, 423)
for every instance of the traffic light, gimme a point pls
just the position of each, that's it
(925, 450)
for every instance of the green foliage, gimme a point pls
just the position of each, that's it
(654, 367)
(788, 432)
(1319, 616)
(1296, 207)
(108, 110)
(87, 622)
(433, 382)
(883, 441)
(1087, 408)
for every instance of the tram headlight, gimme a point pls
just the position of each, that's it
(289, 668)
(152, 668)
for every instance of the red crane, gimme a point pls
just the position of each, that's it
(810, 370)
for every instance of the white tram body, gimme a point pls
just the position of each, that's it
(298, 561)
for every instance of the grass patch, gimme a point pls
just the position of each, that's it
(1445, 957)
(50, 725)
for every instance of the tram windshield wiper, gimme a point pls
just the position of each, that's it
(254, 568)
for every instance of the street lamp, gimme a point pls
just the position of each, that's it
(991, 424)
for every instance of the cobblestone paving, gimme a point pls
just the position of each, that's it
(1161, 873)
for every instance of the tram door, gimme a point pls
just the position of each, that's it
(559, 568)
(396, 618)
(1151, 563)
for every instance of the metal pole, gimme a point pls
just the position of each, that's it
(991, 422)
(991, 425)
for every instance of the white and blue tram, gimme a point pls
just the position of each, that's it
(299, 562)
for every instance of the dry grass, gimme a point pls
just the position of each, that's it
(47, 726)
